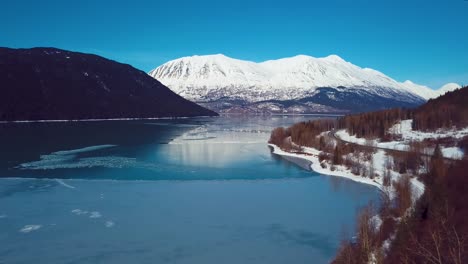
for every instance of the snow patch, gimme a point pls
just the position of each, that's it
(404, 128)
(453, 152)
(376, 222)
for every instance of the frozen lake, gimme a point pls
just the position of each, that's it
(200, 190)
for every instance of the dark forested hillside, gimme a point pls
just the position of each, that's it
(48, 83)
(445, 111)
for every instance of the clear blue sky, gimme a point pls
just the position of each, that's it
(424, 41)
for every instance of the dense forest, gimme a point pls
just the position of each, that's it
(446, 111)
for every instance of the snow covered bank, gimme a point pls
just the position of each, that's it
(403, 129)
(378, 161)
(312, 157)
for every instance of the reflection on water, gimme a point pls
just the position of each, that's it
(199, 148)
(201, 190)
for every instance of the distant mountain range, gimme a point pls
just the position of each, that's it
(301, 84)
(49, 83)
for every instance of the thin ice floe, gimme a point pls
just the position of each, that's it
(29, 228)
(79, 212)
(109, 224)
(82, 150)
(95, 214)
(61, 182)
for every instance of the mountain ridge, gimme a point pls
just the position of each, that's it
(214, 78)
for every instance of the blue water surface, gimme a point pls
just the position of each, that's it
(199, 190)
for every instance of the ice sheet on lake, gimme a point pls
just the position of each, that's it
(109, 162)
(61, 159)
(221, 134)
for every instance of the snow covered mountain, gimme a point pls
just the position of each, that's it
(428, 93)
(447, 88)
(328, 83)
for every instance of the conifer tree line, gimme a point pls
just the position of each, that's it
(448, 111)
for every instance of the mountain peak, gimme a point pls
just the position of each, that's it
(218, 55)
(302, 56)
(334, 58)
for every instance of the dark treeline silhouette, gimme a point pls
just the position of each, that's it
(445, 111)
(374, 124)
(303, 133)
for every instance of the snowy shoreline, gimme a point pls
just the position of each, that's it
(341, 171)
(315, 166)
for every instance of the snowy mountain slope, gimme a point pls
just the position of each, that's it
(448, 88)
(428, 93)
(421, 90)
(217, 77)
